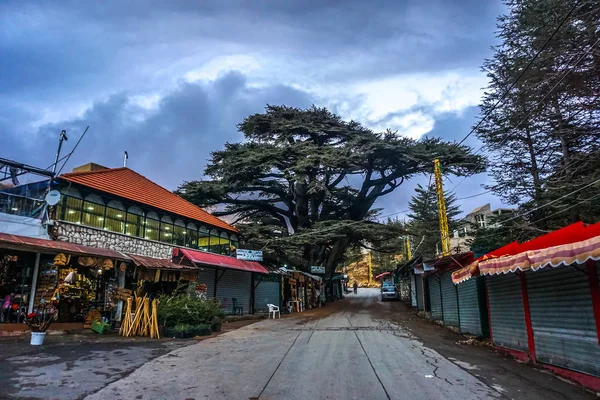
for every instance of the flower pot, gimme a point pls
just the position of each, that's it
(37, 338)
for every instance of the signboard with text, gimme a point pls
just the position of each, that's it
(317, 269)
(249, 255)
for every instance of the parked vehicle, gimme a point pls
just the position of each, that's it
(389, 291)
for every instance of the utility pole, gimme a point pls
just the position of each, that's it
(439, 188)
(408, 249)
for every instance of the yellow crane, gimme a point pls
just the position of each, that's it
(439, 188)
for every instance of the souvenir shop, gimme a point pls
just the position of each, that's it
(303, 291)
(76, 286)
(16, 276)
(70, 279)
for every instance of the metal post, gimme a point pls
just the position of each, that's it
(121, 283)
(36, 270)
(63, 136)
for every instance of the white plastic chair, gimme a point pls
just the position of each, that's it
(273, 309)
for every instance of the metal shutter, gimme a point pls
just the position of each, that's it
(207, 276)
(413, 288)
(468, 307)
(449, 300)
(435, 298)
(266, 292)
(234, 284)
(562, 316)
(419, 292)
(507, 315)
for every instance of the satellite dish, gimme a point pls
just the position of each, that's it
(53, 197)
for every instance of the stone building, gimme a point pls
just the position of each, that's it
(119, 209)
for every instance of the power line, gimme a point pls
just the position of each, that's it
(487, 114)
(567, 72)
(543, 218)
(475, 195)
(550, 203)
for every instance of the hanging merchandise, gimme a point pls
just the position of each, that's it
(16, 275)
(76, 286)
(87, 261)
(60, 260)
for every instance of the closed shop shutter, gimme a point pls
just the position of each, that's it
(207, 276)
(562, 317)
(413, 293)
(435, 298)
(234, 284)
(268, 291)
(419, 292)
(449, 299)
(468, 307)
(507, 316)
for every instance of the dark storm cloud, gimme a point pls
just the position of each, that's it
(169, 144)
(66, 46)
(91, 59)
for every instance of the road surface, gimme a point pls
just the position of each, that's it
(350, 350)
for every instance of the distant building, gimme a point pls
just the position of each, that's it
(484, 216)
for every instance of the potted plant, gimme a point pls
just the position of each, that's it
(39, 322)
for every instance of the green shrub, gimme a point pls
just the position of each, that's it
(182, 309)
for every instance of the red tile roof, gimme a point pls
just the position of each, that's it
(46, 246)
(128, 184)
(217, 260)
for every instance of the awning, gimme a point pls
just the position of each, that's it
(158, 263)
(45, 246)
(465, 273)
(567, 254)
(311, 276)
(217, 260)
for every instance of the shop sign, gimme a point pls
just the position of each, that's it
(317, 269)
(292, 281)
(249, 255)
(301, 278)
(428, 267)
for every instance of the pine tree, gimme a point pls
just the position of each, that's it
(424, 220)
(543, 138)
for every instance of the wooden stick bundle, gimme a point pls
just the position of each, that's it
(142, 322)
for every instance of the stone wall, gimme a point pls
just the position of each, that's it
(87, 236)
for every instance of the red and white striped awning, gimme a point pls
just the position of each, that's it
(566, 254)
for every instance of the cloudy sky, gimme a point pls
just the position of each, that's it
(168, 81)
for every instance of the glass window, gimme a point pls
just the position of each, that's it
(234, 243)
(70, 209)
(135, 221)
(166, 229)
(93, 214)
(203, 238)
(152, 225)
(191, 238)
(213, 241)
(179, 233)
(224, 244)
(115, 220)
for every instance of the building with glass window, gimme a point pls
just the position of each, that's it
(120, 209)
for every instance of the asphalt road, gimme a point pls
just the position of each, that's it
(359, 348)
(350, 350)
